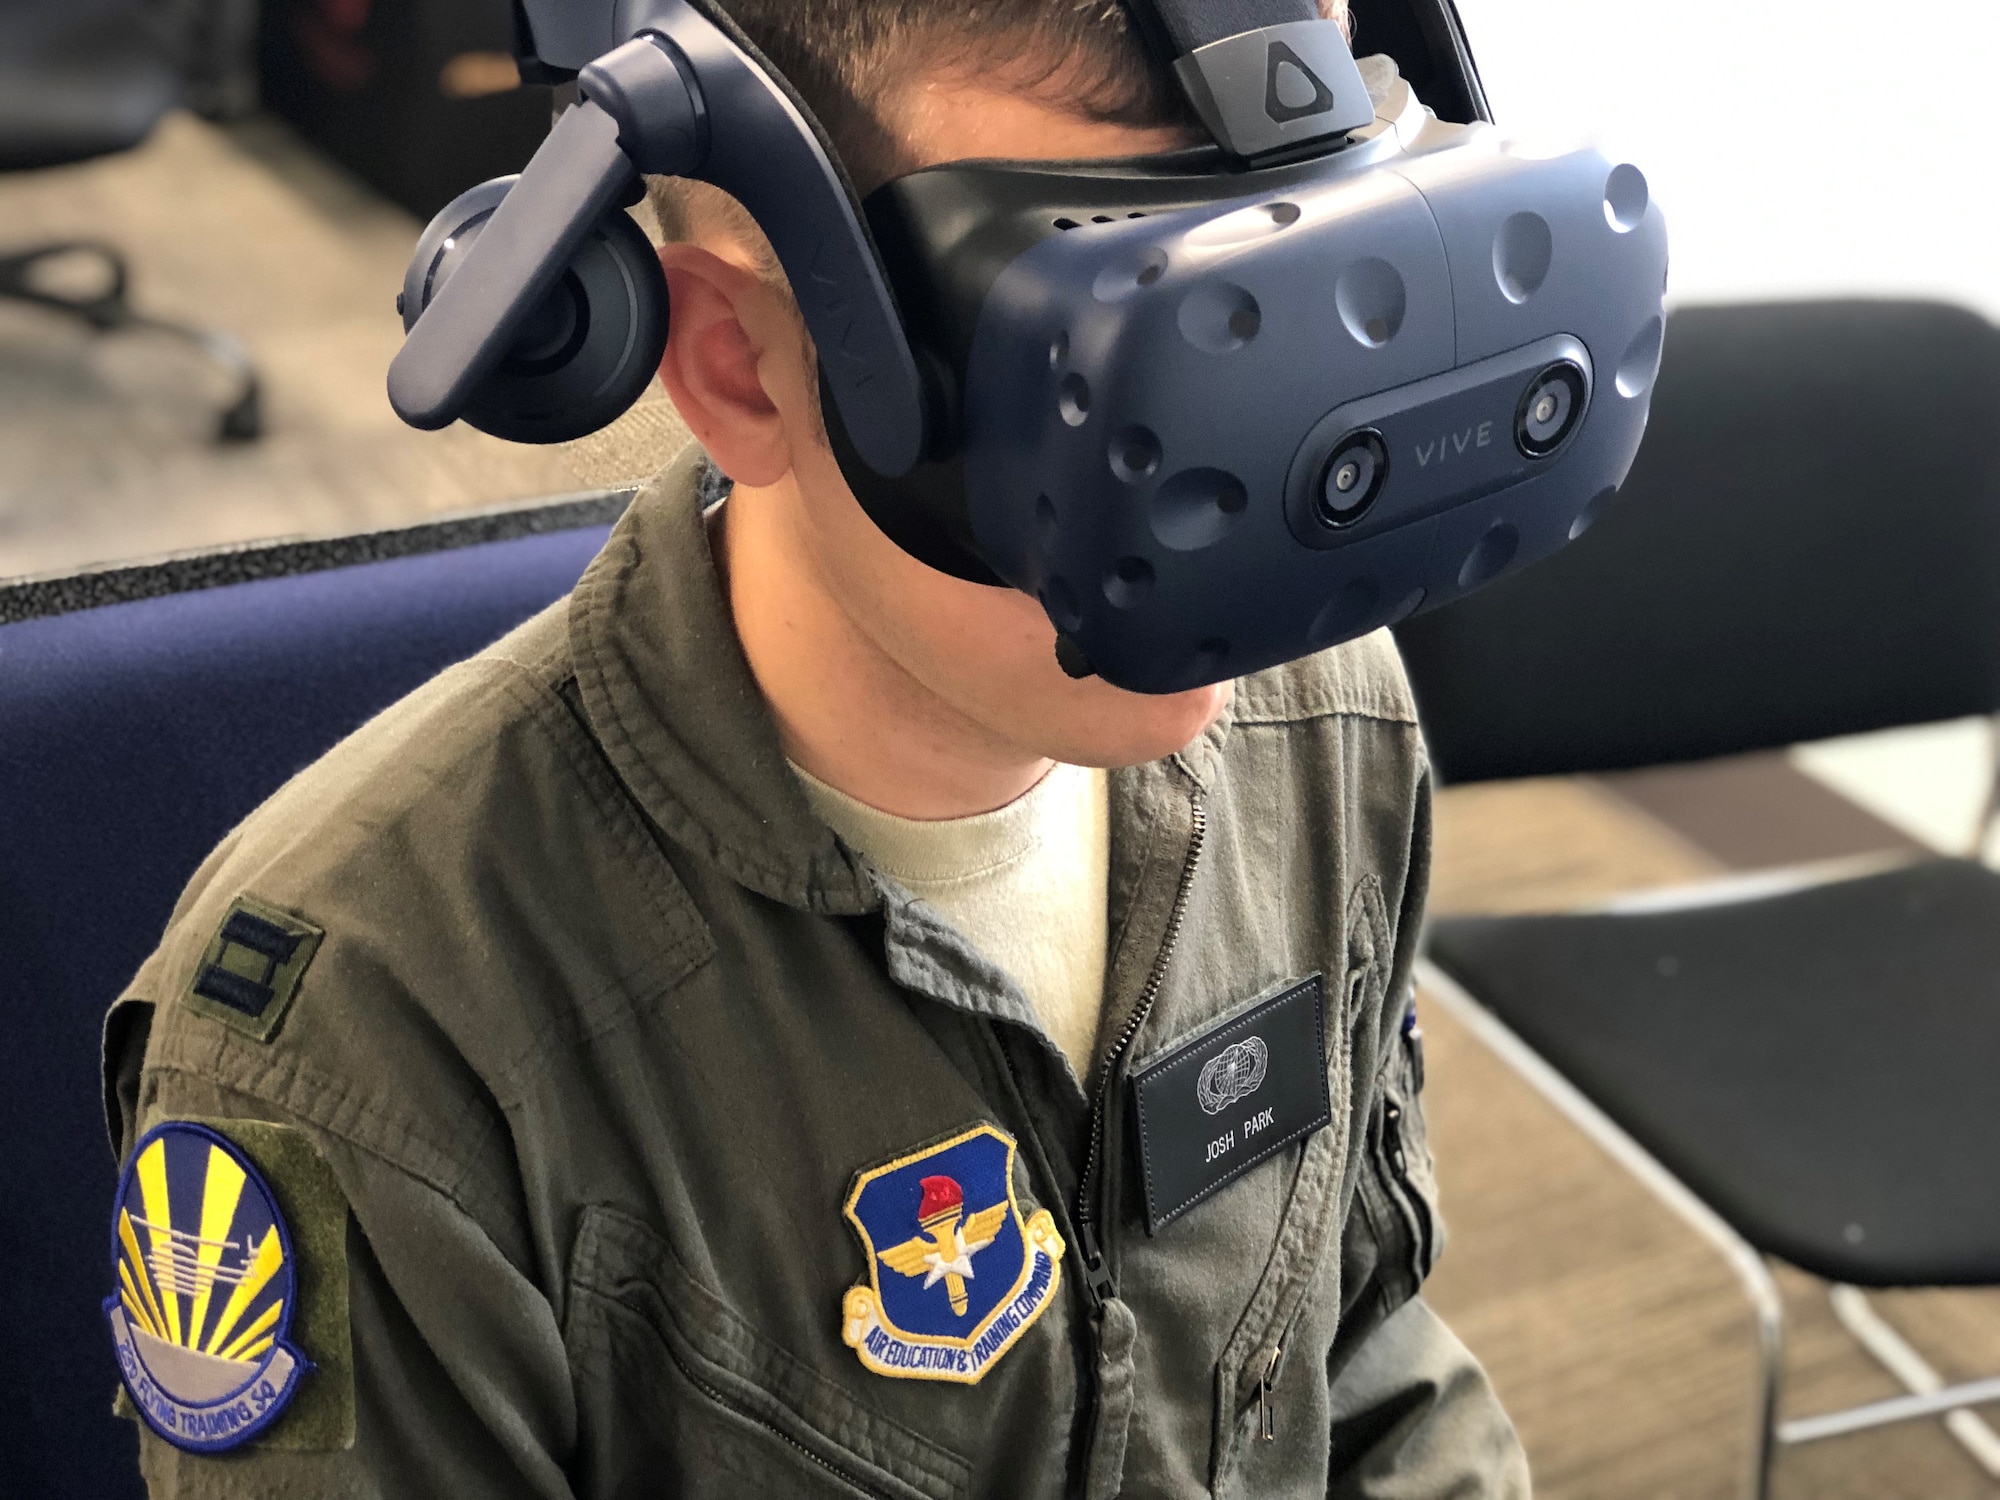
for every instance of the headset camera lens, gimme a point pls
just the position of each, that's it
(1550, 410)
(1354, 476)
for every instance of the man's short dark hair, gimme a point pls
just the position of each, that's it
(846, 56)
(843, 56)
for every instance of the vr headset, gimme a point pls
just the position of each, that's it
(1215, 409)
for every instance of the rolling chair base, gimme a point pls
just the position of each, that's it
(110, 311)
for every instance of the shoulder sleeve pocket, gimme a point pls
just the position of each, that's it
(1394, 1233)
(1403, 1150)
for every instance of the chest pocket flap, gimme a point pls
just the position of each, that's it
(678, 1394)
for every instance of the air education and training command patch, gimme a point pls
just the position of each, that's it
(206, 1290)
(954, 1275)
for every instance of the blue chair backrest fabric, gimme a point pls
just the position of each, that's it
(132, 738)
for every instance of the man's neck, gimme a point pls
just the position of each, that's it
(846, 710)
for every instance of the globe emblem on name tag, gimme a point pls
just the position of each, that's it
(206, 1290)
(1236, 1072)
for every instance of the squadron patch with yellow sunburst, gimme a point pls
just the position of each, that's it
(954, 1275)
(206, 1290)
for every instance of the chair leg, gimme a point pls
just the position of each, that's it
(110, 311)
(1769, 1311)
(1875, 1334)
(1743, 1258)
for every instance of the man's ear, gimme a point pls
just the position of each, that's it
(719, 338)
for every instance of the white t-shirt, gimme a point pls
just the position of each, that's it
(1025, 882)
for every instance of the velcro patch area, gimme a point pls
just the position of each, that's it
(230, 1310)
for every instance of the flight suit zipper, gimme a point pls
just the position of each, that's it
(1087, 1216)
(1267, 1427)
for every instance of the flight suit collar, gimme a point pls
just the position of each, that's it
(672, 700)
(925, 953)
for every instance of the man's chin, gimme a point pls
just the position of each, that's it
(1132, 729)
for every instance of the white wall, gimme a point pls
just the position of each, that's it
(1799, 147)
(1930, 780)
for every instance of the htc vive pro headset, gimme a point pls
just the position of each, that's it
(1215, 409)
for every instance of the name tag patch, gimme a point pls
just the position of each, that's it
(1223, 1101)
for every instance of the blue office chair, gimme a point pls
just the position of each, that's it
(143, 713)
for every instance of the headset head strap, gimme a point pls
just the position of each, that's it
(1266, 76)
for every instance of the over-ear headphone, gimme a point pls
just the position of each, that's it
(583, 353)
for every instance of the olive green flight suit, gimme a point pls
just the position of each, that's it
(605, 1022)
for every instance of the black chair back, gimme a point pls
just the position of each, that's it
(1808, 545)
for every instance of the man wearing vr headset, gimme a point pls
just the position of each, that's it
(766, 1028)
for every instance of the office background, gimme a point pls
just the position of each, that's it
(1803, 149)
